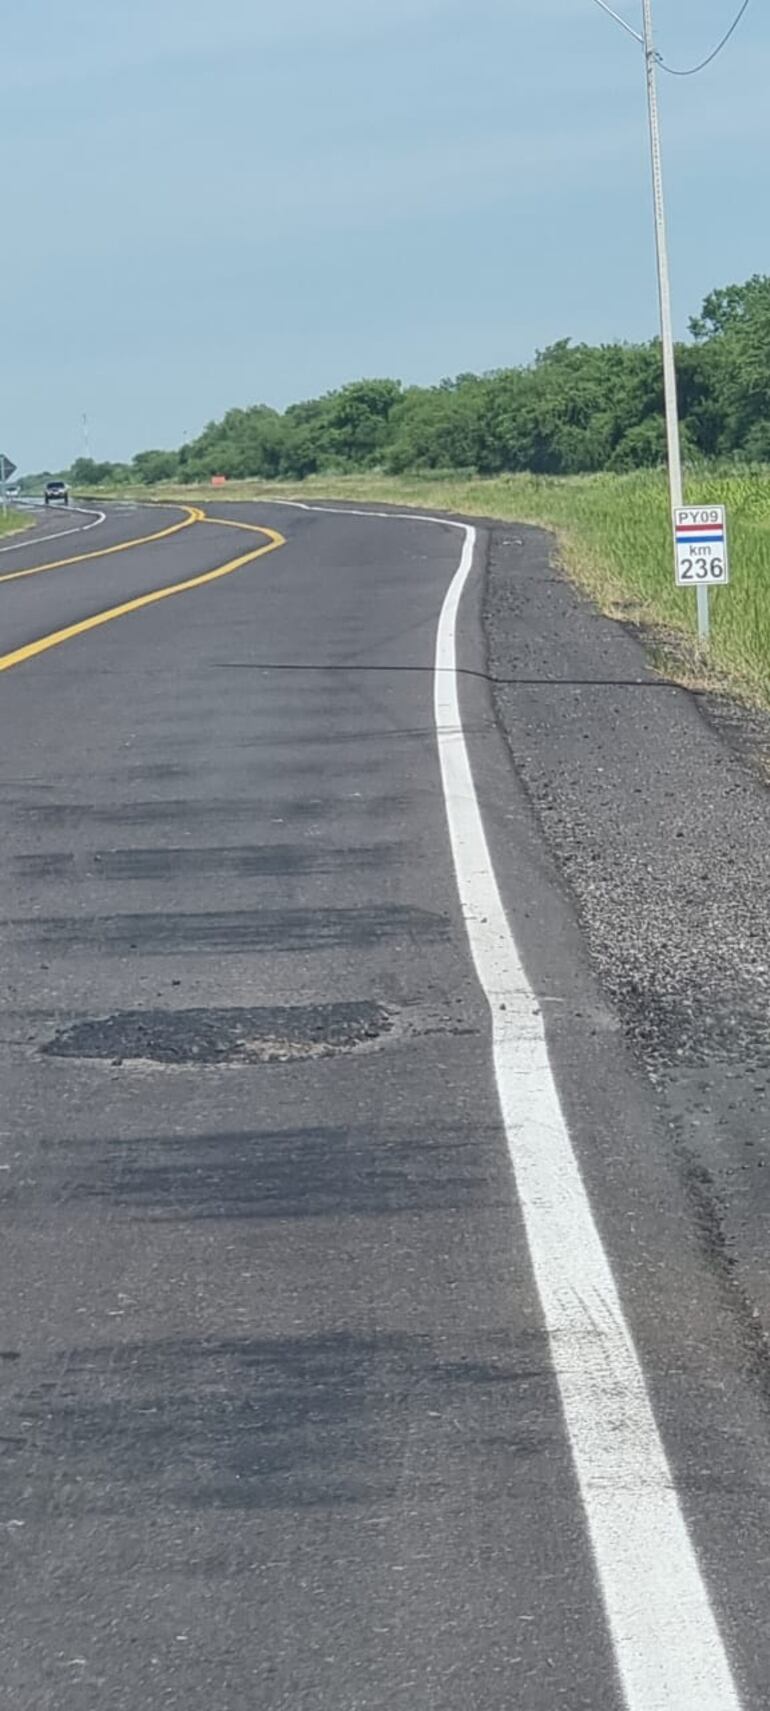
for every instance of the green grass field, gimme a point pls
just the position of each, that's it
(614, 540)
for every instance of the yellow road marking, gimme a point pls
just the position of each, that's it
(55, 639)
(233, 523)
(194, 515)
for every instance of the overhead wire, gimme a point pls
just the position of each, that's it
(676, 71)
(618, 20)
(693, 70)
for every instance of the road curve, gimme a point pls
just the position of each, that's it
(357, 1353)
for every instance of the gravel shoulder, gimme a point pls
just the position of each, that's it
(655, 805)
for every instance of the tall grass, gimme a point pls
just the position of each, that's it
(614, 536)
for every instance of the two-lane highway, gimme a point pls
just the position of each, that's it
(358, 1352)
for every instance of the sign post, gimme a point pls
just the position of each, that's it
(702, 558)
(7, 469)
(666, 321)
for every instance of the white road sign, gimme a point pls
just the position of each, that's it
(700, 532)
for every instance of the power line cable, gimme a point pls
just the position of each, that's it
(618, 20)
(675, 71)
(693, 70)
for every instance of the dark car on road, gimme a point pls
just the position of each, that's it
(56, 493)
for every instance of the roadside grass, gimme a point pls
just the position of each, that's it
(13, 522)
(614, 540)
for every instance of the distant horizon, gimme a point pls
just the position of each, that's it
(351, 380)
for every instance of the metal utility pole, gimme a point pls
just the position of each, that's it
(664, 286)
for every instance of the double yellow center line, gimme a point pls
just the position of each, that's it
(193, 515)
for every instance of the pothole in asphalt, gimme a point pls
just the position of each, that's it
(268, 1034)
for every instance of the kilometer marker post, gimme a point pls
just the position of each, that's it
(700, 536)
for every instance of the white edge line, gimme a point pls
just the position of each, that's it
(668, 1649)
(35, 540)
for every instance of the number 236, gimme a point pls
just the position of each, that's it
(697, 569)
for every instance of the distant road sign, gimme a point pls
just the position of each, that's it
(7, 467)
(702, 561)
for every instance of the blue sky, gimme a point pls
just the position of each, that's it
(218, 204)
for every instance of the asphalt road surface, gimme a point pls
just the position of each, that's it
(383, 1228)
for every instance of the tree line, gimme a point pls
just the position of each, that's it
(574, 409)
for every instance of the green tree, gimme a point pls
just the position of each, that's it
(356, 429)
(575, 408)
(729, 307)
(86, 472)
(733, 331)
(151, 466)
(436, 428)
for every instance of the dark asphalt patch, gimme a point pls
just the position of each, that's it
(238, 930)
(249, 861)
(215, 810)
(292, 1423)
(280, 1175)
(269, 1034)
(678, 1026)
